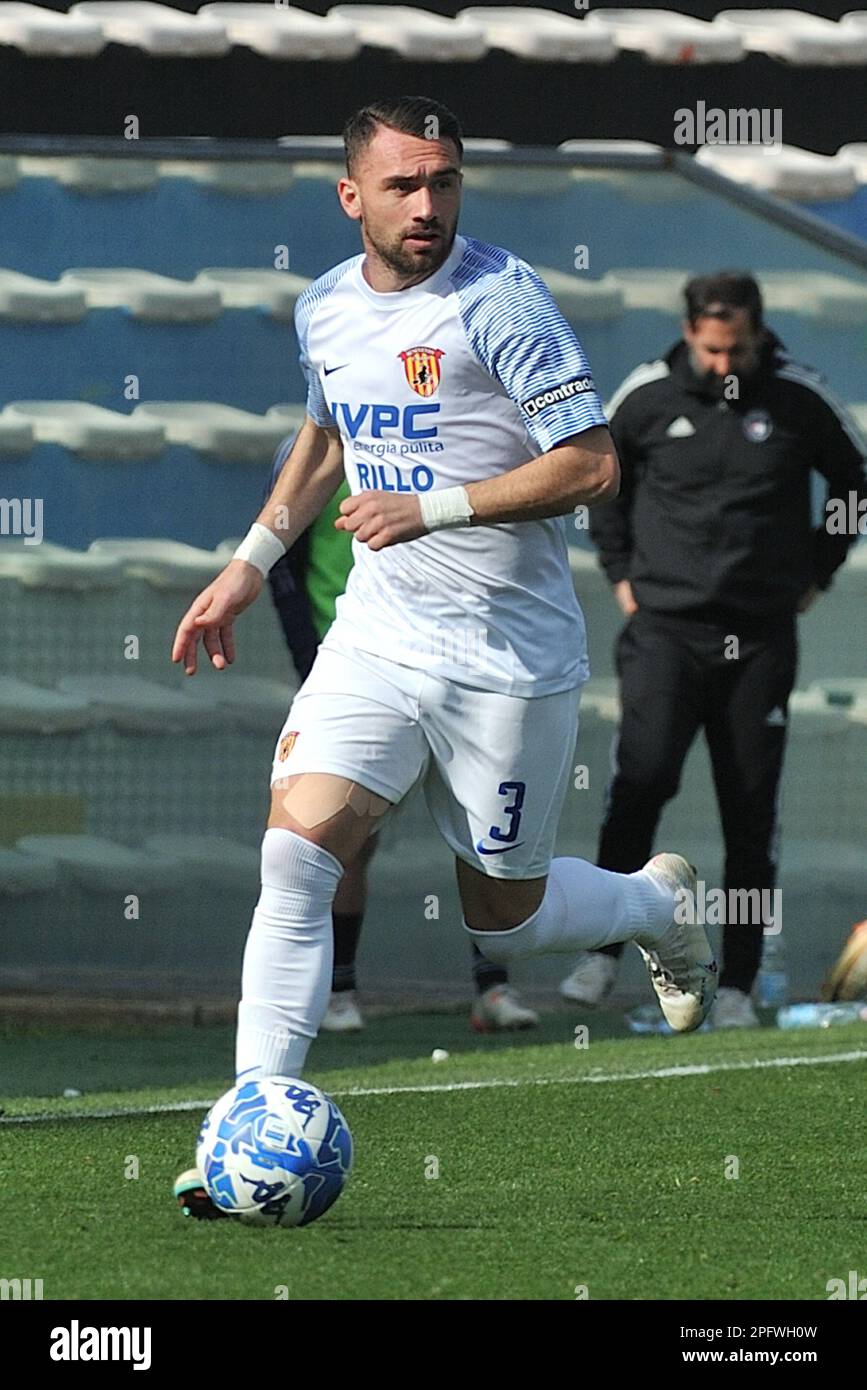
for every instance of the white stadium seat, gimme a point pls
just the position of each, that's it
(222, 430)
(637, 149)
(133, 704)
(46, 34)
(316, 144)
(208, 859)
(252, 703)
(289, 417)
(47, 566)
(153, 298)
(10, 172)
(26, 873)
(93, 173)
(102, 866)
(666, 37)
(650, 287)
(582, 299)
(782, 169)
(816, 294)
(860, 413)
(856, 154)
(413, 34)
(236, 178)
(32, 709)
(282, 31)
(274, 290)
(91, 430)
(797, 37)
(160, 563)
(28, 300)
(540, 35)
(16, 436)
(157, 29)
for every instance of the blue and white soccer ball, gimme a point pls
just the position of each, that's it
(275, 1152)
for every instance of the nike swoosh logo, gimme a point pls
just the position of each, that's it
(328, 370)
(504, 850)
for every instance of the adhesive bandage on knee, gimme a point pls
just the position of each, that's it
(319, 796)
(583, 908)
(286, 978)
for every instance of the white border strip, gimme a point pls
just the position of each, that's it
(495, 1083)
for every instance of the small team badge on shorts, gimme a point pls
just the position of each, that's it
(287, 743)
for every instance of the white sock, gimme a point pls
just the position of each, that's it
(286, 980)
(584, 908)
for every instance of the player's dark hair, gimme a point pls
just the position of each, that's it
(421, 116)
(719, 296)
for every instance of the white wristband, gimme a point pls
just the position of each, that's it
(260, 547)
(448, 506)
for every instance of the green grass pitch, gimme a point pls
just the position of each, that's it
(713, 1166)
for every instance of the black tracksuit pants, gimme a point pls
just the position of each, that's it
(679, 675)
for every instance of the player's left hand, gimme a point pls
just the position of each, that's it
(381, 518)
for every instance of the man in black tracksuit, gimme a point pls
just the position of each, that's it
(710, 540)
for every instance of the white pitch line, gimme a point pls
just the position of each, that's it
(495, 1083)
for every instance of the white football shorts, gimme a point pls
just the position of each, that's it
(494, 767)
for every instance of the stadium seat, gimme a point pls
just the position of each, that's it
(31, 709)
(274, 290)
(230, 434)
(157, 29)
(153, 298)
(16, 436)
(282, 31)
(210, 860)
(583, 300)
(22, 874)
(9, 172)
(539, 35)
(251, 703)
(104, 867)
(797, 37)
(235, 178)
(92, 174)
(134, 705)
(289, 417)
(45, 34)
(24, 299)
(90, 430)
(416, 35)
(666, 37)
(163, 564)
(46, 566)
(782, 169)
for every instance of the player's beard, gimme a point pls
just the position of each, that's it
(409, 265)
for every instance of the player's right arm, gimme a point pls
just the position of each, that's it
(311, 475)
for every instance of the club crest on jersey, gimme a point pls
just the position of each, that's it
(287, 743)
(422, 367)
(758, 426)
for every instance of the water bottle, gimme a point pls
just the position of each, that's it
(821, 1015)
(772, 983)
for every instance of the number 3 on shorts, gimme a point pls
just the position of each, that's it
(512, 810)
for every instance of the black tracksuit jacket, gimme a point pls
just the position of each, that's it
(714, 516)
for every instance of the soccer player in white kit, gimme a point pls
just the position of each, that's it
(446, 385)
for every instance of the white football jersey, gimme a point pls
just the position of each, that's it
(465, 376)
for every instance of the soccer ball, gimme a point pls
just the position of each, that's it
(274, 1152)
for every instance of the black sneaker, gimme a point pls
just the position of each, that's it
(193, 1199)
